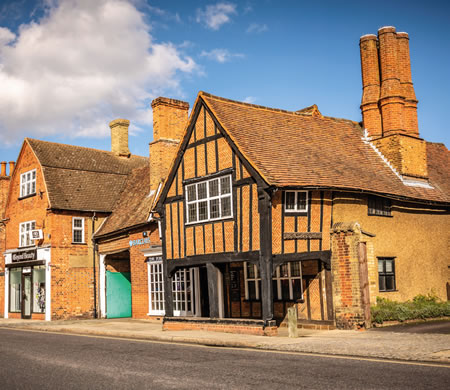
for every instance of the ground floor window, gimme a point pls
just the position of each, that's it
(182, 288)
(29, 283)
(38, 289)
(287, 282)
(15, 289)
(386, 273)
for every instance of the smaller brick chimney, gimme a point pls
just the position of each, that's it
(170, 118)
(119, 137)
(3, 169)
(12, 164)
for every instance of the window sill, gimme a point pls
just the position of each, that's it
(26, 196)
(379, 215)
(387, 291)
(209, 221)
(79, 243)
(295, 213)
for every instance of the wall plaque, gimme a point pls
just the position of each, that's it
(302, 236)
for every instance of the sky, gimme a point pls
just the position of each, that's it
(69, 67)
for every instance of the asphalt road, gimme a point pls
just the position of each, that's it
(34, 360)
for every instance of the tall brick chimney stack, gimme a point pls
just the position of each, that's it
(389, 104)
(371, 84)
(3, 169)
(119, 137)
(170, 118)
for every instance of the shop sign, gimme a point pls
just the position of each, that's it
(28, 255)
(140, 241)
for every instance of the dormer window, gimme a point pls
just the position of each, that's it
(28, 183)
(296, 202)
(209, 200)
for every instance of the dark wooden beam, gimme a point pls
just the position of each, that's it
(168, 297)
(215, 258)
(204, 141)
(223, 172)
(324, 256)
(265, 259)
(213, 293)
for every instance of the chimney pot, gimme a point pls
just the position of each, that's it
(119, 137)
(3, 169)
(11, 167)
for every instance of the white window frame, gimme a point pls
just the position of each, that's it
(183, 280)
(208, 200)
(24, 234)
(278, 278)
(28, 185)
(77, 228)
(296, 209)
(156, 287)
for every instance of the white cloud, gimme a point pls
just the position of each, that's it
(83, 64)
(257, 28)
(220, 55)
(250, 99)
(214, 16)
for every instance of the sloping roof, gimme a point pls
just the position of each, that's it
(292, 149)
(79, 178)
(133, 205)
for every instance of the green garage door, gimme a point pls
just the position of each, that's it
(118, 294)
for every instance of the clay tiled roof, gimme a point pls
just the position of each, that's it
(292, 149)
(134, 203)
(79, 178)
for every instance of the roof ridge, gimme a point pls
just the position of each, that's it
(79, 147)
(278, 110)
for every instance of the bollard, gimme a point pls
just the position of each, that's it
(292, 321)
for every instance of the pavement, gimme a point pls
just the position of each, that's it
(388, 344)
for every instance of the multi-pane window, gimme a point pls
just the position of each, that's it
(379, 206)
(182, 289)
(24, 233)
(28, 183)
(156, 286)
(252, 282)
(77, 230)
(287, 282)
(296, 201)
(386, 274)
(209, 200)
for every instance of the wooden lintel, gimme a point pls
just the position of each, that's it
(213, 258)
(302, 235)
(324, 256)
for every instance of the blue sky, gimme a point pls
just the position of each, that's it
(68, 67)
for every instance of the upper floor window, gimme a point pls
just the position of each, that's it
(77, 230)
(386, 274)
(24, 232)
(296, 201)
(28, 183)
(379, 206)
(209, 200)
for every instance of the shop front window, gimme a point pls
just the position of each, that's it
(15, 289)
(39, 289)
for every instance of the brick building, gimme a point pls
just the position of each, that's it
(265, 209)
(58, 196)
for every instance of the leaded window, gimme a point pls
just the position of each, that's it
(296, 201)
(209, 200)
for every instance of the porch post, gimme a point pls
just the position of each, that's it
(102, 282)
(168, 295)
(265, 254)
(213, 295)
